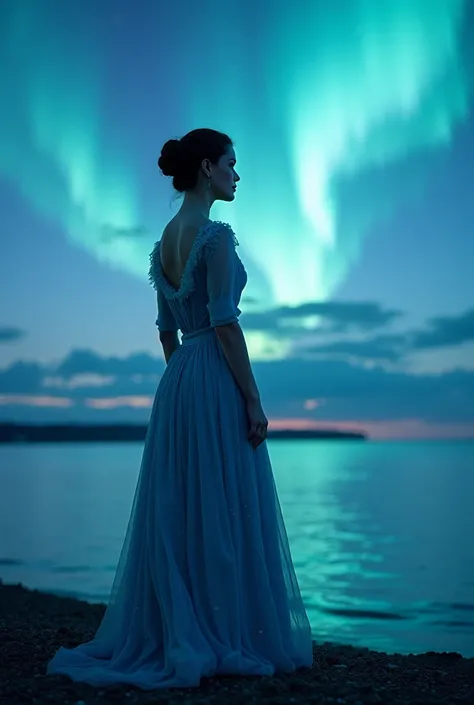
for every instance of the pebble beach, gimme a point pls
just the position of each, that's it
(33, 625)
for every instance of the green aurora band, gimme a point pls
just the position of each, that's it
(313, 97)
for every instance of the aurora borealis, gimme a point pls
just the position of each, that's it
(328, 103)
(341, 103)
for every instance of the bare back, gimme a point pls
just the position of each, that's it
(205, 289)
(176, 245)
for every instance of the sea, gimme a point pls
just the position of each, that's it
(381, 533)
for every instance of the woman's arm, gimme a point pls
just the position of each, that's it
(232, 341)
(224, 314)
(233, 344)
(170, 342)
(167, 326)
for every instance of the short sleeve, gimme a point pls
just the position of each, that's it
(165, 321)
(221, 266)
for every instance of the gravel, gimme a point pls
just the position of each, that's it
(33, 625)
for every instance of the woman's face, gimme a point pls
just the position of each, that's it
(224, 177)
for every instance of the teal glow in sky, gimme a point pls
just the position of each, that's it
(353, 124)
(344, 92)
(56, 145)
(391, 82)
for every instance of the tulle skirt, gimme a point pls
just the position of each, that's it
(205, 583)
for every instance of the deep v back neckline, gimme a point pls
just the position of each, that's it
(205, 236)
(189, 260)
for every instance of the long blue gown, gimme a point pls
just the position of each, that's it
(205, 583)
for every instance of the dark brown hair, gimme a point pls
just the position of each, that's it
(182, 158)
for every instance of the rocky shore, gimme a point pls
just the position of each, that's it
(33, 625)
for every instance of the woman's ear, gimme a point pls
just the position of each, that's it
(206, 168)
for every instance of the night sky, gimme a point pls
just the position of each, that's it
(353, 124)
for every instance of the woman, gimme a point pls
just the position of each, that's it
(205, 583)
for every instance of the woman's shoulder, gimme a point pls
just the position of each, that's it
(215, 230)
(207, 236)
(203, 236)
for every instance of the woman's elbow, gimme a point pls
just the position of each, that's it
(168, 336)
(228, 330)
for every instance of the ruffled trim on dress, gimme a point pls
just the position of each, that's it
(205, 239)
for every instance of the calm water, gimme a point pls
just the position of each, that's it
(382, 534)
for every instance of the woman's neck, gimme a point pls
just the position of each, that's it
(197, 203)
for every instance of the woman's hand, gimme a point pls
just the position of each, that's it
(258, 423)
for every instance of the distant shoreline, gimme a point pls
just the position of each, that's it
(119, 433)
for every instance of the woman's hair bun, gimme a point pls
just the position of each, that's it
(182, 159)
(171, 158)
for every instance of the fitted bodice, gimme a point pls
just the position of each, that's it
(211, 283)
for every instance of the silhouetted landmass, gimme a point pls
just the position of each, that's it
(70, 433)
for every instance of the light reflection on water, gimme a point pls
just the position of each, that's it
(381, 533)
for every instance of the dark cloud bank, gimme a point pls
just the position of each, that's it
(354, 377)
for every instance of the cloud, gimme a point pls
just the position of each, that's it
(9, 334)
(441, 332)
(337, 315)
(351, 391)
(88, 387)
(348, 380)
(445, 331)
(387, 348)
(87, 362)
(22, 378)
